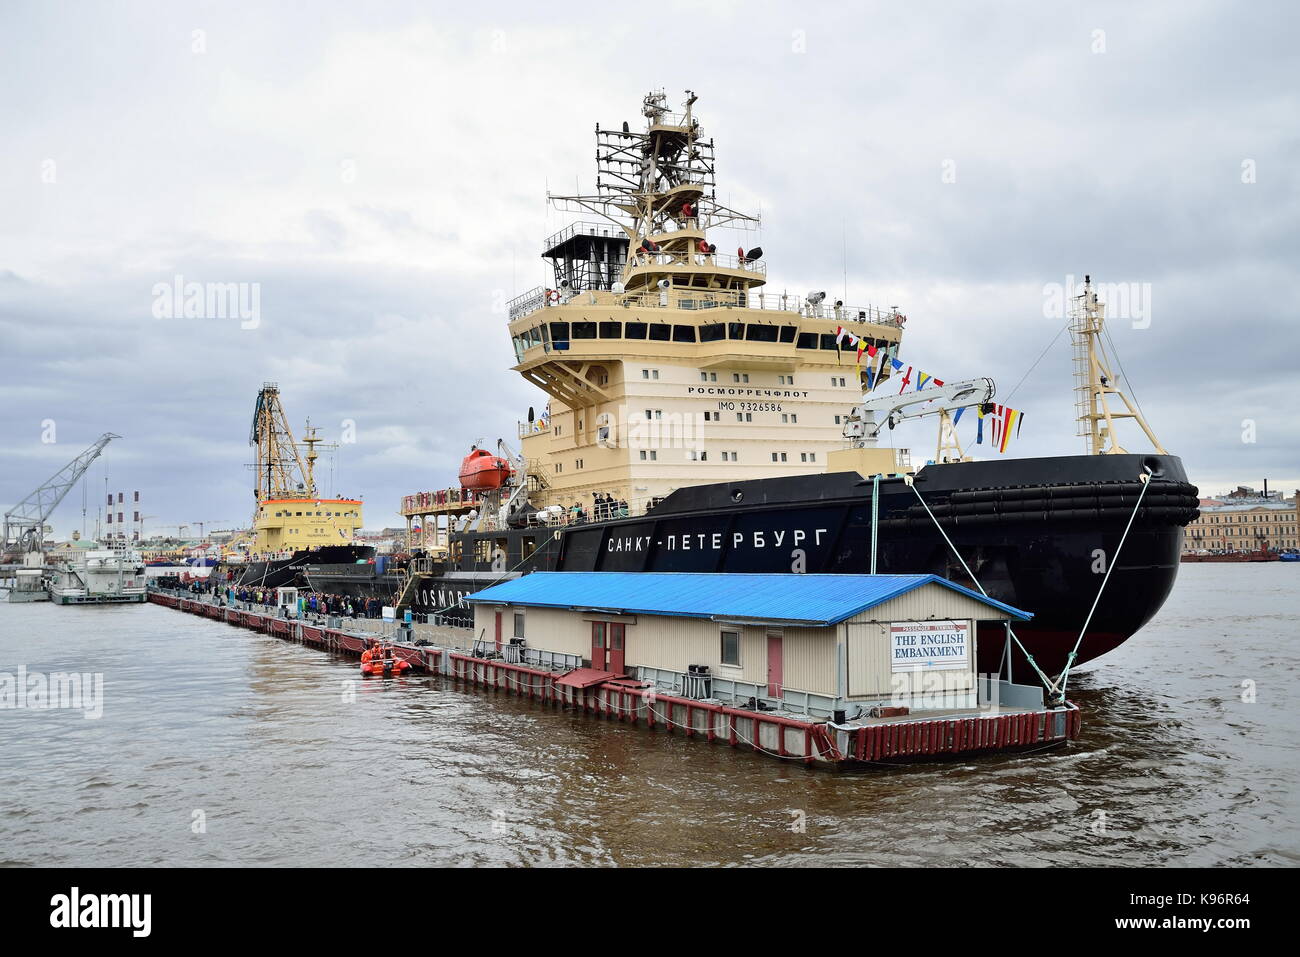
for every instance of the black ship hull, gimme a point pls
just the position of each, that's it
(1038, 534)
(289, 572)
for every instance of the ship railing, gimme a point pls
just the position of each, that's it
(668, 119)
(698, 299)
(427, 503)
(591, 513)
(529, 302)
(720, 260)
(601, 230)
(536, 427)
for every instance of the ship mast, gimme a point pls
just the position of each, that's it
(659, 186)
(279, 467)
(1094, 381)
(311, 440)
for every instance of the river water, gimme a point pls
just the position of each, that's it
(218, 746)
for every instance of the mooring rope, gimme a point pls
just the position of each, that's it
(1055, 688)
(1145, 478)
(1051, 685)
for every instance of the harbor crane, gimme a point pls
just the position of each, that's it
(24, 524)
(863, 430)
(206, 522)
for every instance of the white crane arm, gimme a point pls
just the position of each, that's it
(862, 425)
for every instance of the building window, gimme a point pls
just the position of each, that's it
(728, 456)
(577, 463)
(744, 416)
(519, 625)
(559, 466)
(778, 457)
(730, 651)
(697, 455)
(837, 380)
(649, 456)
(807, 456)
(740, 377)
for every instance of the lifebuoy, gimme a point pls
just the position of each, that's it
(552, 295)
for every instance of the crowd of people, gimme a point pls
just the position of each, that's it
(603, 507)
(318, 603)
(324, 603)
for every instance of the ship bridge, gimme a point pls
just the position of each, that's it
(668, 362)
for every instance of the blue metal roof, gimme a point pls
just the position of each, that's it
(798, 599)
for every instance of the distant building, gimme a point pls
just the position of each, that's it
(1244, 521)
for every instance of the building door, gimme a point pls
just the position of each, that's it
(498, 636)
(774, 666)
(617, 656)
(599, 651)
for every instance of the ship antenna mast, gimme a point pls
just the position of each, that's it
(310, 439)
(1093, 380)
(643, 179)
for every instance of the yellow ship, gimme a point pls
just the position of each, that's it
(289, 516)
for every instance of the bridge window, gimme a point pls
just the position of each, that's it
(760, 333)
(713, 332)
(634, 330)
(683, 333)
(788, 333)
(807, 340)
(584, 330)
(611, 330)
(661, 332)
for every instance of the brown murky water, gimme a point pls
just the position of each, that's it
(262, 737)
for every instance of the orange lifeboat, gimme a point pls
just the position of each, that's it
(379, 662)
(484, 471)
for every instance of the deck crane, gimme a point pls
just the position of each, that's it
(863, 430)
(24, 524)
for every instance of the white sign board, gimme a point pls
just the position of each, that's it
(389, 613)
(929, 645)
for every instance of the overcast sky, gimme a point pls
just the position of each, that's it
(380, 171)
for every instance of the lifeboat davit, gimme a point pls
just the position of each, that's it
(379, 662)
(483, 470)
